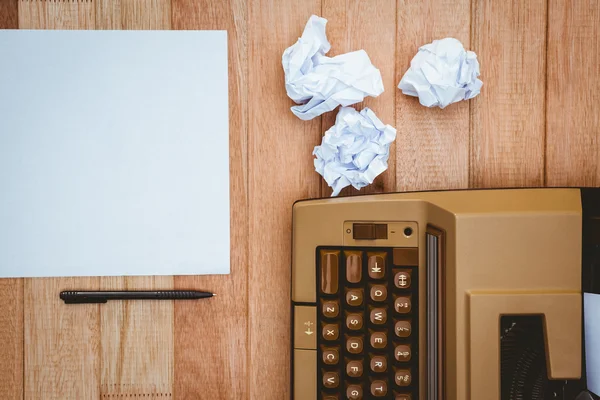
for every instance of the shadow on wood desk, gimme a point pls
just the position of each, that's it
(535, 123)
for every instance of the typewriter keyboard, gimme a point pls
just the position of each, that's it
(367, 323)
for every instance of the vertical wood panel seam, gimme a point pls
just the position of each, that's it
(472, 11)
(247, 182)
(545, 155)
(395, 89)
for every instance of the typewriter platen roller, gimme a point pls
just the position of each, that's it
(453, 295)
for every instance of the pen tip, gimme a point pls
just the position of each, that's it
(214, 294)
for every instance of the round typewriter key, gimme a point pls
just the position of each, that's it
(331, 331)
(379, 316)
(354, 297)
(378, 340)
(402, 328)
(379, 388)
(402, 279)
(378, 364)
(331, 356)
(354, 392)
(354, 369)
(331, 380)
(402, 305)
(403, 397)
(403, 377)
(330, 397)
(331, 309)
(378, 293)
(354, 321)
(402, 353)
(354, 345)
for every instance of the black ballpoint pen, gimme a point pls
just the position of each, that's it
(87, 297)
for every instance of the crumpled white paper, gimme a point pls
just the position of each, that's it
(442, 73)
(320, 83)
(355, 150)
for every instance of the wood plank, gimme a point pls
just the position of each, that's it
(136, 337)
(508, 118)
(432, 147)
(137, 341)
(41, 14)
(354, 25)
(108, 14)
(211, 338)
(9, 14)
(146, 14)
(573, 93)
(281, 171)
(11, 337)
(11, 290)
(62, 342)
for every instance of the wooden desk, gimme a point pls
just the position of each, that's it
(536, 123)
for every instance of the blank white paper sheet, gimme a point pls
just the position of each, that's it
(114, 153)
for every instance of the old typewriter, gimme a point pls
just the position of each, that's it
(448, 295)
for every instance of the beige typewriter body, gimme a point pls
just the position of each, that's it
(478, 255)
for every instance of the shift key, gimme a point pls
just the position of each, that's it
(329, 271)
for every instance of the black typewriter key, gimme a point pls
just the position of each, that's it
(354, 321)
(403, 353)
(378, 340)
(353, 266)
(354, 345)
(331, 309)
(378, 364)
(331, 356)
(402, 305)
(331, 380)
(354, 297)
(331, 331)
(379, 388)
(354, 392)
(376, 264)
(403, 377)
(402, 328)
(378, 293)
(378, 316)
(354, 369)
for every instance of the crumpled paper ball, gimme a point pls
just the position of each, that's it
(442, 73)
(319, 83)
(355, 150)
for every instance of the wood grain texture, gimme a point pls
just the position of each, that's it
(508, 118)
(11, 290)
(432, 147)
(137, 341)
(61, 343)
(354, 25)
(211, 341)
(9, 14)
(281, 172)
(573, 93)
(146, 14)
(11, 337)
(108, 14)
(42, 14)
(136, 337)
